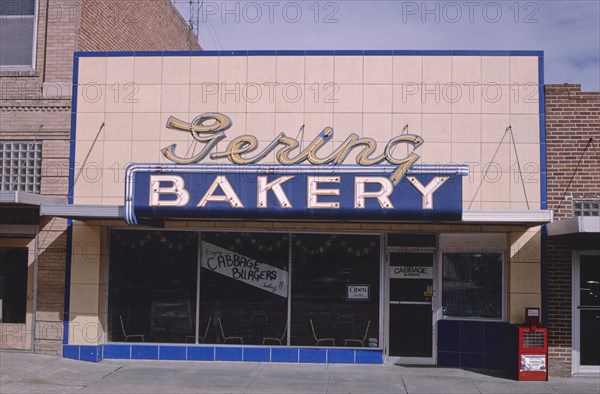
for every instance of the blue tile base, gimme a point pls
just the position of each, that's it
(481, 345)
(143, 351)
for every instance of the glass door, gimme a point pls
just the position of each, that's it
(586, 282)
(410, 317)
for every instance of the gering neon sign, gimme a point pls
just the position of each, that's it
(381, 186)
(238, 151)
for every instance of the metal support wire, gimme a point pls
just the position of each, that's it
(514, 144)
(488, 168)
(512, 137)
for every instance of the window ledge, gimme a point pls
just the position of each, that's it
(19, 73)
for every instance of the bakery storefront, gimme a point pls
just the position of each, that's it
(305, 206)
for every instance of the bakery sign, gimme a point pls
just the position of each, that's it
(303, 184)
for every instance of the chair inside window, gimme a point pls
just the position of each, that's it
(227, 339)
(317, 339)
(201, 338)
(278, 340)
(361, 341)
(125, 335)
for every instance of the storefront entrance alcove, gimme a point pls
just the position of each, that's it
(245, 288)
(16, 286)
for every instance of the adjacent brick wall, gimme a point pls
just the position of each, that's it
(37, 105)
(572, 118)
(137, 25)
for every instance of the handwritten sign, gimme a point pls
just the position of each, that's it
(244, 269)
(411, 272)
(357, 292)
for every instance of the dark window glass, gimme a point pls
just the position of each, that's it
(17, 7)
(17, 27)
(326, 270)
(13, 285)
(244, 288)
(416, 240)
(472, 285)
(589, 307)
(152, 288)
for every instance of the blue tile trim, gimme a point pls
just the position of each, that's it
(544, 275)
(69, 246)
(407, 52)
(543, 189)
(204, 53)
(121, 53)
(471, 360)
(141, 351)
(177, 53)
(228, 353)
(369, 357)
(284, 355)
(149, 53)
(233, 53)
(144, 352)
(257, 354)
(90, 54)
(200, 353)
(469, 344)
(448, 359)
(348, 52)
(443, 52)
(290, 53)
(262, 53)
(340, 356)
(71, 351)
(542, 111)
(121, 352)
(379, 52)
(319, 52)
(90, 353)
(172, 353)
(313, 356)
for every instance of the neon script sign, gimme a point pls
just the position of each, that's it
(209, 129)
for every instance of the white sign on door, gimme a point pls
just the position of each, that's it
(357, 292)
(411, 272)
(245, 269)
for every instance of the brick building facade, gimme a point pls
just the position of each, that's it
(573, 143)
(35, 105)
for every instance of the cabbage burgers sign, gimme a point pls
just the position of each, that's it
(305, 183)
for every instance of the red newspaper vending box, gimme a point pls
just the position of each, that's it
(533, 353)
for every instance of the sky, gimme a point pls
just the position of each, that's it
(567, 31)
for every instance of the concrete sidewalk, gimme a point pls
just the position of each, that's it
(32, 373)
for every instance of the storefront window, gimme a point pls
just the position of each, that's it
(152, 289)
(472, 285)
(335, 290)
(244, 288)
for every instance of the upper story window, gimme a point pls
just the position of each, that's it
(17, 34)
(586, 207)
